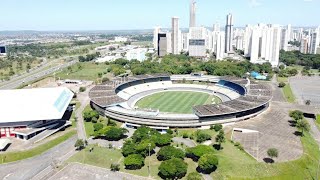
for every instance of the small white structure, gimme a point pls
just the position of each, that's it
(120, 39)
(4, 143)
(138, 54)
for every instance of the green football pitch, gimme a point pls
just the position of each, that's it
(176, 101)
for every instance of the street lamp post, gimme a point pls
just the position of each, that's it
(149, 145)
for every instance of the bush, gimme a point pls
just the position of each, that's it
(115, 167)
(173, 169)
(202, 136)
(97, 126)
(196, 152)
(105, 79)
(134, 161)
(168, 152)
(111, 123)
(281, 85)
(82, 89)
(208, 163)
(185, 135)
(169, 131)
(79, 144)
(217, 127)
(239, 146)
(194, 176)
(94, 120)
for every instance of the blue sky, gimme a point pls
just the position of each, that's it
(145, 14)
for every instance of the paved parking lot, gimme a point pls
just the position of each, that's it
(306, 88)
(77, 171)
(274, 132)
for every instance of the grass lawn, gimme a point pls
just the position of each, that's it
(16, 156)
(88, 71)
(176, 101)
(287, 91)
(318, 121)
(104, 157)
(101, 157)
(235, 164)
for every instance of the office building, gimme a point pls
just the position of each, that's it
(284, 39)
(304, 44)
(264, 44)
(219, 46)
(229, 33)
(175, 36)
(197, 41)
(162, 44)
(156, 31)
(192, 14)
(314, 42)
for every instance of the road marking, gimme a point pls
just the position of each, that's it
(7, 176)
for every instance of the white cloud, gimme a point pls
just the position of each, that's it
(254, 3)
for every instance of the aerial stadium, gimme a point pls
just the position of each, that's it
(180, 101)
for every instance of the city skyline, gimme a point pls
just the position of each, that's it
(126, 15)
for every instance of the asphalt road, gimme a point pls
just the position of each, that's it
(13, 84)
(28, 168)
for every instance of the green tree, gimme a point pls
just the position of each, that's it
(202, 136)
(162, 140)
(173, 169)
(89, 114)
(296, 115)
(220, 138)
(194, 176)
(303, 126)
(115, 134)
(97, 126)
(134, 161)
(79, 144)
(128, 148)
(273, 153)
(144, 146)
(168, 152)
(208, 163)
(196, 152)
(216, 127)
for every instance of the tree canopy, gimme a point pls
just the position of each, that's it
(168, 152)
(173, 169)
(134, 161)
(208, 163)
(196, 152)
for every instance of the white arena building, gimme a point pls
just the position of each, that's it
(26, 113)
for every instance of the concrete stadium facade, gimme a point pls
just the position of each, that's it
(241, 100)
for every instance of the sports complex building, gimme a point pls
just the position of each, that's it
(143, 100)
(33, 113)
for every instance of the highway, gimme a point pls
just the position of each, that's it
(29, 168)
(31, 76)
